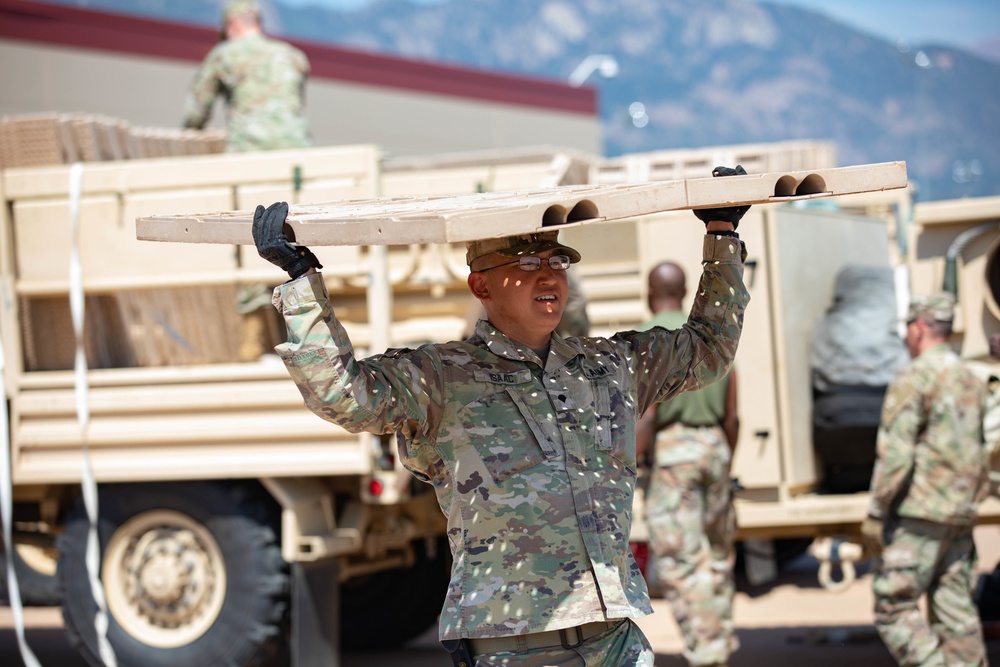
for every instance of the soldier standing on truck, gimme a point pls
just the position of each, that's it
(689, 509)
(262, 81)
(527, 437)
(929, 477)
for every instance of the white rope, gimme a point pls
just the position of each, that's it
(6, 503)
(89, 485)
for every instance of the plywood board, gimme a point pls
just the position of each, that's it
(405, 220)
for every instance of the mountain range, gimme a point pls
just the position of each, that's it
(693, 73)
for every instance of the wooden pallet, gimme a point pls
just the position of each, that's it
(469, 217)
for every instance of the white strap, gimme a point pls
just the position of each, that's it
(6, 516)
(89, 485)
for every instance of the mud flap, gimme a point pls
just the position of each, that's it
(759, 561)
(315, 636)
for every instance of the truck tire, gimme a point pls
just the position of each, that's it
(35, 568)
(192, 574)
(387, 609)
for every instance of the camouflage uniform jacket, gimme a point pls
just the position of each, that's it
(263, 83)
(533, 462)
(932, 463)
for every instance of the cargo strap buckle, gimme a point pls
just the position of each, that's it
(564, 640)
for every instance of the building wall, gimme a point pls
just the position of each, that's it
(68, 60)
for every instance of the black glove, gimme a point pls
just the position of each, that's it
(731, 214)
(273, 245)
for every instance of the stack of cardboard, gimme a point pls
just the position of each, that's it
(39, 140)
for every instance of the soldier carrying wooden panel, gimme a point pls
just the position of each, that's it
(527, 437)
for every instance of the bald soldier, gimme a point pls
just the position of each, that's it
(527, 437)
(930, 475)
(689, 512)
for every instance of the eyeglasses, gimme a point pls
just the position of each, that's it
(534, 263)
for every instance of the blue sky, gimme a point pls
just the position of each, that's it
(962, 23)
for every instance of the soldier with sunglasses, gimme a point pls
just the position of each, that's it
(527, 437)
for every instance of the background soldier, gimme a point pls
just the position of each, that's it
(527, 437)
(262, 81)
(930, 475)
(689, 511)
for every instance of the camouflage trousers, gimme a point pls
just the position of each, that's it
(622, 646)
(937, 560)
(692, 525)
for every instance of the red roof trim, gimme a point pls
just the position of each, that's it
(87, 29)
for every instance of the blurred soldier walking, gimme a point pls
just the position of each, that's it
(689, 509)
(929, 477)
(262, 81)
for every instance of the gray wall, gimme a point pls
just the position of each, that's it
(149, 92)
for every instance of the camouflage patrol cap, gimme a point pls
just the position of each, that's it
(237, 7)
(939, 306)
(519, 246)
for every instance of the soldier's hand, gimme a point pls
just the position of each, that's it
(872, 532)
(273, 245)
(731, 214)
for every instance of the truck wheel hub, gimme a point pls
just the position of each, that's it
(161, 579)
(165, 578)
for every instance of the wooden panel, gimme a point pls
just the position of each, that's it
(428, 219)
(777, 186)
(470, 217)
